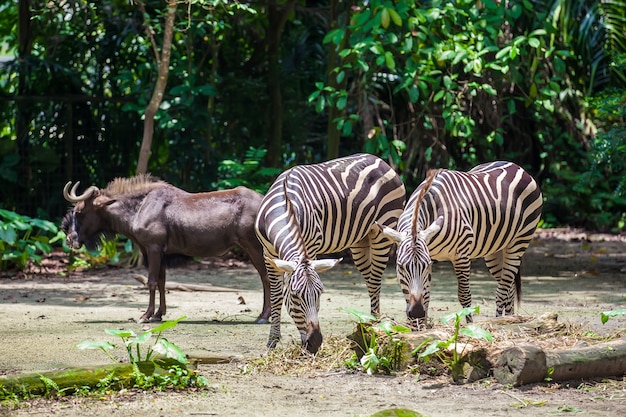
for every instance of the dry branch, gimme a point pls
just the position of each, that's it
(526, 364)
(177, 286)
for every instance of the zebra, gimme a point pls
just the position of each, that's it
(489, 212)
(325, 208)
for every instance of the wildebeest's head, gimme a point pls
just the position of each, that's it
(84, 224)
(303, 291)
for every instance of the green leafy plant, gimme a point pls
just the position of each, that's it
(24, 239)
(436, 347)
(606, 315)
(133, 342)
(377, 353)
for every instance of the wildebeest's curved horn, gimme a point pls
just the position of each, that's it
(71, 194)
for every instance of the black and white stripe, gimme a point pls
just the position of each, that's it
(490, 212)
(325, 208)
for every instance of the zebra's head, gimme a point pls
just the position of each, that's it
(302, 292)
(413, 267)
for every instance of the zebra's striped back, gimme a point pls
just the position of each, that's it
(490, 212)
(322, 209)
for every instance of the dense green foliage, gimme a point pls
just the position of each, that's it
(424, 84)
(24, 239)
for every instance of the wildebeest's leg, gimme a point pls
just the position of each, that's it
(154, 276)
(276, 297)
(504, 266)
(462, 271)
(161, 286)
(255, 252)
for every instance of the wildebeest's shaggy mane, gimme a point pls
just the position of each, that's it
(139, 184)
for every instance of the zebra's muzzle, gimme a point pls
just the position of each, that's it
(415, 309)
(313, 338)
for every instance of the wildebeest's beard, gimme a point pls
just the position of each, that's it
(76, 235)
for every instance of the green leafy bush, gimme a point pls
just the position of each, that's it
(116, 251)
(249, 173)
(24, 239)
(603, 185)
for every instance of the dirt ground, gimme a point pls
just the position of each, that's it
(44, 316)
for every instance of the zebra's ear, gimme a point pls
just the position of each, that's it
(321, 265)
(433, 229)
(392, 234)
(284, 266)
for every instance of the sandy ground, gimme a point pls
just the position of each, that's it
(43, 318)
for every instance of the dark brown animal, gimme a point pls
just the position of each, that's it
(167, 224)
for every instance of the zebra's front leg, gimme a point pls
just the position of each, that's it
(276, 300)
(462, 272)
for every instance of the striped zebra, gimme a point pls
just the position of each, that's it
(325, 208)
(490, 212)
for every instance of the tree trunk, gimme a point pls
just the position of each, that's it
(526, 364)
(215, 48)
(277, 18)
(24, 112)
(163, 62)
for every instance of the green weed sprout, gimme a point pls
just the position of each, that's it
(375, 355)
(606, 315)
(471, 330)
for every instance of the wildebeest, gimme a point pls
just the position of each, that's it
(167, 224)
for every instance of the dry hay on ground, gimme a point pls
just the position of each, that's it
(294, 360)
(336, 352)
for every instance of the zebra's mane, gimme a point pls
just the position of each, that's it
(292, 214)
(430, 176)
(141, 183)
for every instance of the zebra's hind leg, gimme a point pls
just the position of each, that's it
(462, 270)
(370, 257)
(504, 267)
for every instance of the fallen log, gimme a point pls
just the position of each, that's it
(177, 286)
(526, 364)
(67, 381)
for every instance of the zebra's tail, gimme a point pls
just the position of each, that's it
(518, 287)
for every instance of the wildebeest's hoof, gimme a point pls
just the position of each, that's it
(150, 319)
(261, 320)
